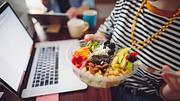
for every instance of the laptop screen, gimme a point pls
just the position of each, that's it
(15, 48)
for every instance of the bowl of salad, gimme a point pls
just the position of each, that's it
(103, 64)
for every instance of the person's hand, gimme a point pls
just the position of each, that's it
(45, 2)
(171, 90)
(97, 36)
(72, 12)
(81, 9)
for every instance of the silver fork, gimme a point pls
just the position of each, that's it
(156, 70)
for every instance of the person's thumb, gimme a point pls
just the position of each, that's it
(97, 37)
(89, 37)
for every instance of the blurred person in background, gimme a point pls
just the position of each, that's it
(73, 8)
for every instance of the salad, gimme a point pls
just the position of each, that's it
(82, 54)
(104, 59)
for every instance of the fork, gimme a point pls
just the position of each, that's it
(157, 70)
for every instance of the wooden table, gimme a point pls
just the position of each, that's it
(89, 94)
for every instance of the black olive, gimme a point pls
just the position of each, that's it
(132, 58)
(111, 52)
(111, 46)
(107, 42)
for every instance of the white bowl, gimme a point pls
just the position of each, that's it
(97, 81)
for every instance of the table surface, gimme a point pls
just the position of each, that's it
(89, 94)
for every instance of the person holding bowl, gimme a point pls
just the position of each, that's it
(151, 28)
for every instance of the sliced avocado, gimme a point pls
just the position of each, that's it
(120, 58)
(123, 63)
(129, 66)
(119, 50)
(126, 50)
(121, 53)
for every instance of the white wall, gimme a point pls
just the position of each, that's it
(35, 4)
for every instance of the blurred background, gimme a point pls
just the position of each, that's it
(24, 7)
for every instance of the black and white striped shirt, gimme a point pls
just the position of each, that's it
(164, 50)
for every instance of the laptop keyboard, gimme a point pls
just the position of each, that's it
(46, 72)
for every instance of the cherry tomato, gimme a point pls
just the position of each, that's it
(80, 56)
(74, 60)
(77, 60)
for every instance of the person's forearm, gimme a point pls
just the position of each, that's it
(101, 35)
(82, 8)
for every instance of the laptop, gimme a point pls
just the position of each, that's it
(51, 69)
(50, 18)
(52, 22)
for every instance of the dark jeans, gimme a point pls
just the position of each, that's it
(122, 93)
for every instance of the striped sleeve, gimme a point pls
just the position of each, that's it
(109, 23)
(162, 51)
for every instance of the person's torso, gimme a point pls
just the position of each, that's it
(162, 51)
